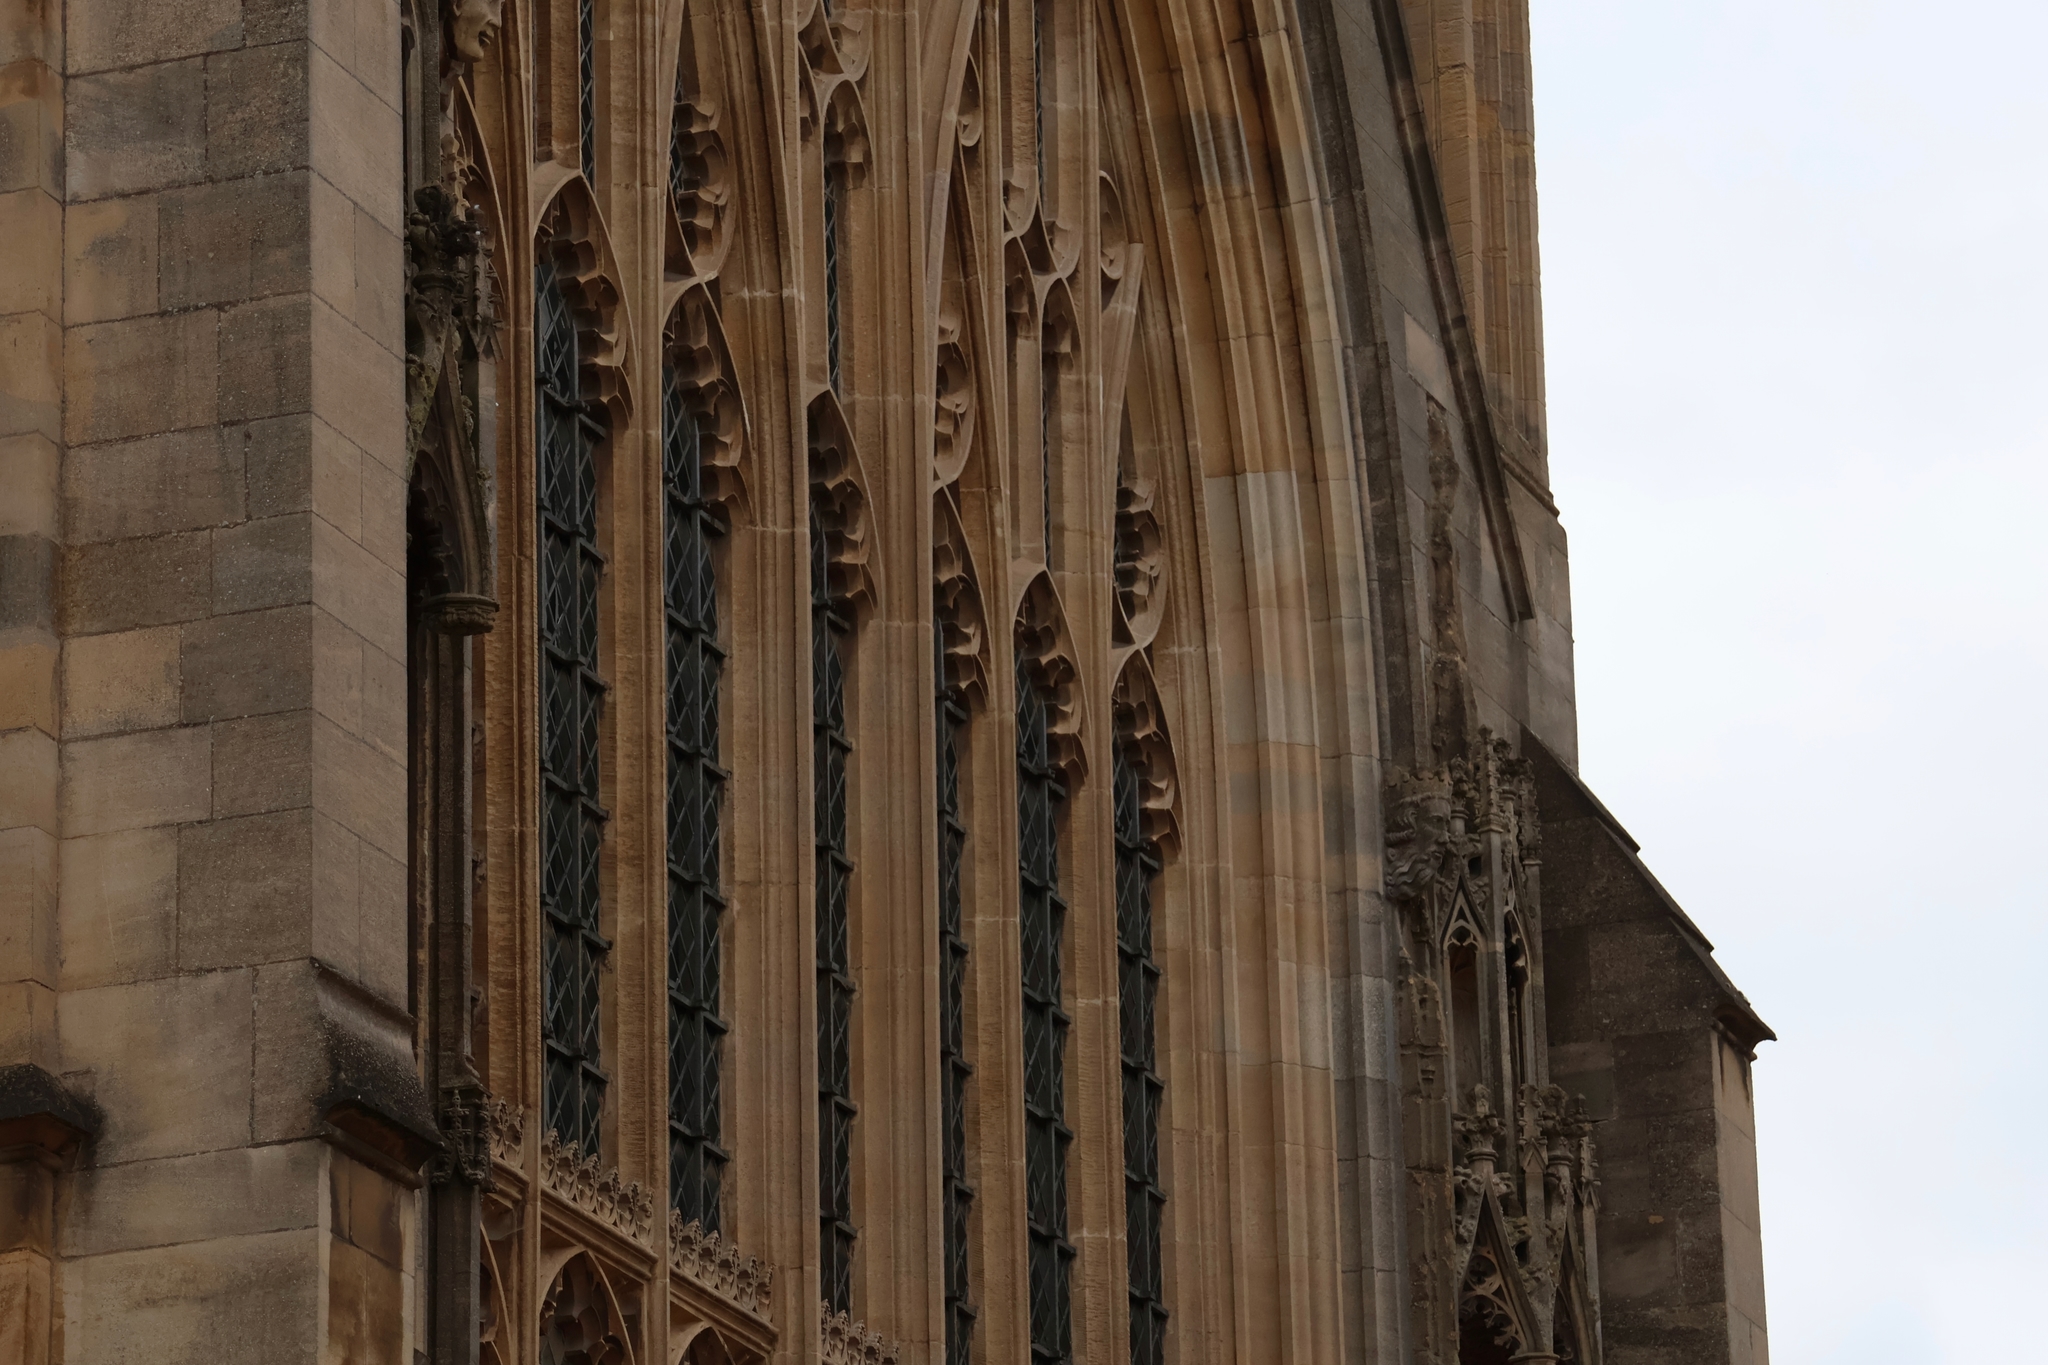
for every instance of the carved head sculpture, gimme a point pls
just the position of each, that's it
(474, 26)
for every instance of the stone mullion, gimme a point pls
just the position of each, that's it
(1085, 574)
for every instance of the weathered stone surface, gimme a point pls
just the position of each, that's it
(120, 907)
(127, 680)
(139, 376)
(249, 664)
(262, 764)
(182, 481)
(203, 1197)
(121, 33)
(138, 129)
(152, 777)
(244, 888)
(148, 581)
(170, 1303)
(168, 1062)
(234, 240)
(257, 110)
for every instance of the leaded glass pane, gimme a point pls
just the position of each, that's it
(1042, 922)
(831, 748)
(586, 85)
(696, 788)
(834, 211)
(1137, 864)
(954, 1070)
(571, 718)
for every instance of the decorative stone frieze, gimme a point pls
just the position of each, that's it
(843, 1341)
(505, 1127)
(625, 1205)
(711, 1262)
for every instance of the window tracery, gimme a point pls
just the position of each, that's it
(572, 702)
(1144, 833)
(696, 785)
(703, 425)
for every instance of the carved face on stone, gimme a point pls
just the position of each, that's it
(475, 24)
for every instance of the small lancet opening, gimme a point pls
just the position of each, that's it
(1461, 968)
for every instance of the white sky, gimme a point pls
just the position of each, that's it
(1793, 268)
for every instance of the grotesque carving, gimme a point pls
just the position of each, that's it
(473, 27)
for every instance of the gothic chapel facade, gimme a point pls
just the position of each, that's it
(794, 681)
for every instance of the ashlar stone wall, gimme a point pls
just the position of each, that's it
(202, 714)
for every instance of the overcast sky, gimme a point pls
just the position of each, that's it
(1794, 284)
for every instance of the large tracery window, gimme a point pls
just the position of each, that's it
(1137, 863)
(831, 748)
(953, 1066)
(1042, 926)
(571, 709)
(696, 786)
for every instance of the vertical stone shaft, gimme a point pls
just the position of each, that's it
(442, 775)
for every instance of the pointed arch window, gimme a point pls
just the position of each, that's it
(1137, 865)
(831, 749)
(571, 712)
(696, 789)
(1042, 927)
(955, 1072)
